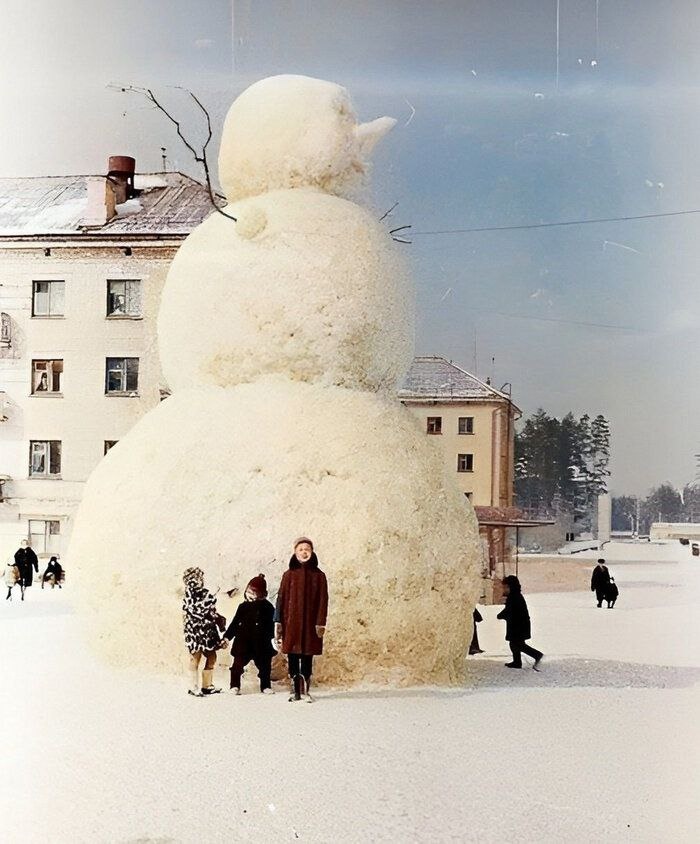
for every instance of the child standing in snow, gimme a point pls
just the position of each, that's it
(300, 616)
(611, 593)
(517, 621)
(11, 578)
(201, 631)
(251, 631)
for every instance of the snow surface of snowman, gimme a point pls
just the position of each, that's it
(282, 336)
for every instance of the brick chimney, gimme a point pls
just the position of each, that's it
(101, 201)
(120, 172)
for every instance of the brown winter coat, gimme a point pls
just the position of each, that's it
(302, 604)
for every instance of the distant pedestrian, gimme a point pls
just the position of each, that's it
(202, 638)
(251, 632)
(474, 646)
(11, 576)
(600, 580)
(611, 593)
(53, 573)
(517, 621)
(26, 560)
(300, 616)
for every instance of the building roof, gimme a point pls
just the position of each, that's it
(507, 517)
(165, 204)
(436, 379)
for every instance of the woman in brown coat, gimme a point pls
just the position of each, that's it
(300, 616)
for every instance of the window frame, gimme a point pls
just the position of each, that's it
(50, 282)
(47, 533)
(469, 461)
(109, 445)
(51, 372)
(129, 297)
(459, 426)
(438, 426)
(134, 391)
(53, 451)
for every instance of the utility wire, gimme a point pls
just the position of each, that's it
(564, 223)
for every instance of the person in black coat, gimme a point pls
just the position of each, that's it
(25, 560)
(611, 593)
(252, 630)
(600, 581)
(517, 621)
(53, 573)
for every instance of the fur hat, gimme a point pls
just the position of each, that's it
(193, 576)
(303, 539)
(258, 585)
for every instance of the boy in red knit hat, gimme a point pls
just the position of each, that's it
(251, 631)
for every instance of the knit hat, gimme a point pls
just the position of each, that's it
(193, 576)
(303, 539)
(258, 585)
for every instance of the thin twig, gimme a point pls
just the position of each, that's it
(199, 158)
(387, 213)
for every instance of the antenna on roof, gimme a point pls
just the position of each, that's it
(165, 160)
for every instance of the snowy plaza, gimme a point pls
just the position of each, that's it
(600, 745)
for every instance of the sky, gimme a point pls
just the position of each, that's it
(599, 318)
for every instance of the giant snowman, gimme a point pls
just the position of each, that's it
(282, 336)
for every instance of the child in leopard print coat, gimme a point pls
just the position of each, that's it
(202, 636)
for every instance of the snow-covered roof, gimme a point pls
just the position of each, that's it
(164, 204)
(437, 379)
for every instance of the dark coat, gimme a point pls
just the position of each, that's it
(55, 569)
(611, 591)
(516, 617)
(600, 578)
(25, 559)
(302, 604)
(252, 629)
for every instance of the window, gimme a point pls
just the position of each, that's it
(465, 462)
(124, 298)
(110, 444)
(46, 376)
(434, 425)
(45, 535)
(44, 458)
(122, 375)
(48, 299)
(466, 425)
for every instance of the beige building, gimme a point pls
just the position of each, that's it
(472, 423)
(82, 264)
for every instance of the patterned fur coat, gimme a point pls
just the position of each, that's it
(199, 614)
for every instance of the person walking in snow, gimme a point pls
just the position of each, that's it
(300, 615)
(517, 621)
(202, 636)
(25, 560)
(611, 593)
(600, 580)
(11, 579)
(474, 646)
(53, 573)
(251, 631)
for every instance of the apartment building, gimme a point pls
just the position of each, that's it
(83, 260)
(472, 423)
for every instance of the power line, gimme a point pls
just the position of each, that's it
(567, 321)
(564, 223)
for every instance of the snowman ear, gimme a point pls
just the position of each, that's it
(250, 222)
(369, 134)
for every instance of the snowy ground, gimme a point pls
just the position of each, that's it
(602, 745)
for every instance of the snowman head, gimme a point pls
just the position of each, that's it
(292, 132)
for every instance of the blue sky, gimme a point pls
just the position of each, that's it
(493, 142)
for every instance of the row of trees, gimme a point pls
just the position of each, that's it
(663, 504)
(562, 464)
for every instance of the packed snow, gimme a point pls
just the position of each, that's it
(275, 460)
(602, 744)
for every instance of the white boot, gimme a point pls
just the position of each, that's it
(194, 683)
